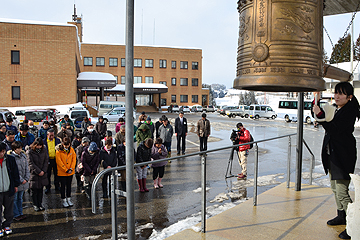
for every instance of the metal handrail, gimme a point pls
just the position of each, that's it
(312, 165)
(203, 175)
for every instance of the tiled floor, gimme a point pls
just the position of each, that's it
(281, 213)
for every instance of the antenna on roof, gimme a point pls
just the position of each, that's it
(74, 16)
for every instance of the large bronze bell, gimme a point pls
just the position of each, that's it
(280, 46)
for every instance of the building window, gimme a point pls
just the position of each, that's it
(163, 82)
(15, 58)
(173, 81)
(162, 63)
(149, 63)
(87, 61)
(183, 81)
(113, 62)
(183, 98)
(137, 79)
(100, 62)
(173, 64)
(194, 98)
(163, 102)
(122, 80)
(173, 98)
(123, 62)
(137, 62)
(195, 65)
(183, 65)
(149, 79)
(194, 82)
(15, 92)
(116, 77)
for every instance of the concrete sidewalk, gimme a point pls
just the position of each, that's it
(282, 213)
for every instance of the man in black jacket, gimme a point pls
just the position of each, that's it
(92, 135)
(9, 182)
(181, 132)
(108, 157)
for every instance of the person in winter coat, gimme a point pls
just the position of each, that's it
(92, 135)
(109, 160)
(9, 125)
(166, 132)
(101, 128)
(64, 132)
(142, 118)
(143, 155)
(142, 133)
(52, 125)
(158, 124)
(243, 136)
(50, 143)
(108, 136)
(77, 140)
(38, 163)
(10, 180)
(90, 160)
(2, 132)
(203, 131)
(151, 126)
(79, 150)
(339, 147)
(119, 124)
(84, 124)
(43, 130)
(24, 136)
(9, 139)
(181, 130)
(66, 163)
(33, 129)
(24, 174)
(121, 153)
(65, 120)
(158, 151)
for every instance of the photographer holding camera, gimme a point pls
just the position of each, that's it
(242, 135)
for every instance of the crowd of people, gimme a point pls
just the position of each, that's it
(30, 156)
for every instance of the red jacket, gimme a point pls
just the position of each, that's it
(244, 137)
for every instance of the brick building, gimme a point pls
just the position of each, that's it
(40, 63)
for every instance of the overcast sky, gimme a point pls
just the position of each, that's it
(211, 25)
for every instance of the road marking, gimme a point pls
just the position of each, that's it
(193, 143)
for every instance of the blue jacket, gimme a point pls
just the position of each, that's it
(13, 173)
(12, 127)
(42, 133)
(29, 139)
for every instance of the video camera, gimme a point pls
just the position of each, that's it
(233, 136)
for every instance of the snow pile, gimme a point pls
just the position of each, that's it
(306, 175)
(191, 221)
(198, 190)
(262, 181)
(353, 211)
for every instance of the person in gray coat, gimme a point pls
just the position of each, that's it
(24, 174)
(38, 164)
(166, 132)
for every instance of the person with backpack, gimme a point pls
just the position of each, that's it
(243, 136)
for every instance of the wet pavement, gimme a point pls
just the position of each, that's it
(180, 198)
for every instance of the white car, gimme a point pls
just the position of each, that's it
(185, 109)
(77, 114)
(115, 114)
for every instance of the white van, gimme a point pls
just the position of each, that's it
(107, 106)
(261, 111)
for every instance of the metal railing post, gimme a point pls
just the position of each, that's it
(203, 192)
(256, 172)
(311, 168)
(113, 207)
(288, 164)
(129, 130)
(299, 146)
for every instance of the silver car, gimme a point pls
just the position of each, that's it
(114, 114)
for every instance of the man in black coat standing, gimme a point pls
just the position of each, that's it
(181, 130)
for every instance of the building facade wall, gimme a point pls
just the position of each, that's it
(47, 65)
(159, 74)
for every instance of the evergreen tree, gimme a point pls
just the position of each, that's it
(341, 51)
(241, 99)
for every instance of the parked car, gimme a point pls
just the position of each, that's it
(223, 110)
(115, 114)
(209, 108)
(174, 108)
(5, 113)
(77, 114)
(106, 106)
(20, 115)
(261, 111)
(196, 108)
(40, 115)
(185, 109)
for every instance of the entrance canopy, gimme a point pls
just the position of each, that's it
(142, 88)
(96, 79)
